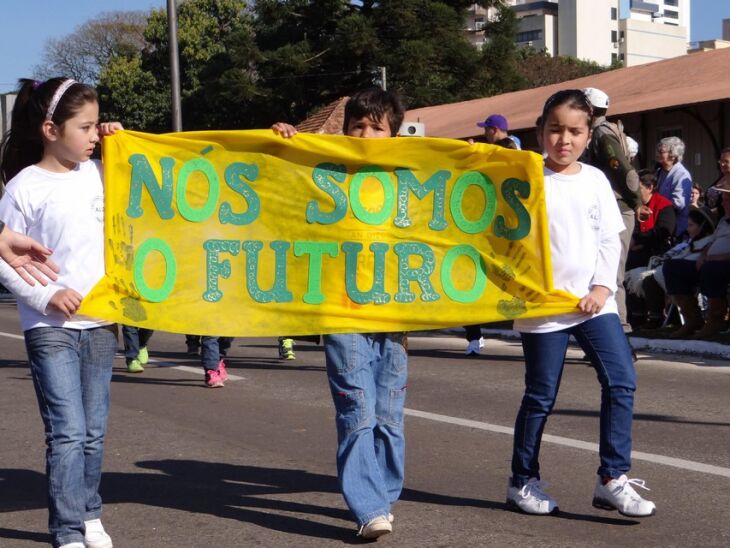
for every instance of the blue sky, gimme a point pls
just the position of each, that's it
(27, 24)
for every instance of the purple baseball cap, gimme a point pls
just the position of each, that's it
(494, 120)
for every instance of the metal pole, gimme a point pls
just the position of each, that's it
(174, 65)
(382, 78)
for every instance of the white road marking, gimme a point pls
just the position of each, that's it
(558, 440)
(577, 444)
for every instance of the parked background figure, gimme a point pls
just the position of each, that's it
(135, 347)
(496, 128)
(673, 180)
(710, 273)
(608, 151)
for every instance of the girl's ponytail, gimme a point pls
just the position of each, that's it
(22, 145)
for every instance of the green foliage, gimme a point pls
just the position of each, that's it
(249, 64)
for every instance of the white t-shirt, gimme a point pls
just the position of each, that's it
(65, 212)
(584, 224)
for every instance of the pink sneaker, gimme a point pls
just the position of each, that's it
(222, 371)
(213, 378)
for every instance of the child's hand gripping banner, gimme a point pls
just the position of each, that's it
(245, 233)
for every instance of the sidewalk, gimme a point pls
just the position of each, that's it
(678, 348)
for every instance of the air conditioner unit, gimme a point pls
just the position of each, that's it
(412, 129)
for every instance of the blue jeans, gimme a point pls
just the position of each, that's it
(71, 371)
(367, 375)
(605, 343)
(134, 339)
(214, 349)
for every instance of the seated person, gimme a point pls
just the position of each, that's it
(645, 286)
(711, 273)
(653, 235)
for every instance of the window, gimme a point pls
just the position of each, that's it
(671, 3)
(614, 14)
(529, 36)
(671, 14)
(614, 58)
(614, 36)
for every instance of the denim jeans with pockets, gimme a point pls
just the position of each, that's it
(71, 371)
(367, 376)
(605, 344)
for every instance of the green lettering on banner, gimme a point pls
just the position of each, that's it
(420, 274)
(473, 178)
(278, 292)
(321, 176)
(376, 294)
(233, 175)
(206, 168)
(358, 209)
(315, 250)
(161, 195)
(480, 277)
(509, 188)
(436, 183)
(214, 268)
(146, 292)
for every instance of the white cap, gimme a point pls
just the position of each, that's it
(633, 146)
(596, 97)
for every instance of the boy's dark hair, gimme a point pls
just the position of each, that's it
(373, 103)
(22, 145)
(573, 98)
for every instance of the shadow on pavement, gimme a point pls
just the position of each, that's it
(648, 417)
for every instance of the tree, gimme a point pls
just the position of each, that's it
(140, 87)
(538, 68)
(500, 53)
(84, 53)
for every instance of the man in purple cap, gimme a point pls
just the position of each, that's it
(495, 129)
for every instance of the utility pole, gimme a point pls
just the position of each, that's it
(383, 82)
(174, 65)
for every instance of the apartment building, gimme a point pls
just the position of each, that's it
(593, 29)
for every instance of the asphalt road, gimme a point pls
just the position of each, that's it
(252, 464)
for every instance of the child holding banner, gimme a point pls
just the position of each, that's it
(368, 372)
(54, 193)
(584, 224)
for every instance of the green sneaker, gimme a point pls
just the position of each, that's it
(143, 355)
(286, 349)
(135, 367)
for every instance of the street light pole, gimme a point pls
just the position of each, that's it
(174, 65)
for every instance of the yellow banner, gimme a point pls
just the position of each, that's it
(244, 233)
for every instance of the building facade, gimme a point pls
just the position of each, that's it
(593, 30)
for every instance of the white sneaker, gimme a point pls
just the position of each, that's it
(530, 498)
(73, 545)
(474, 347)
(618, 494)
(376, 527)
(95, 536)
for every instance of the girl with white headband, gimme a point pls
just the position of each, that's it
(54, 193)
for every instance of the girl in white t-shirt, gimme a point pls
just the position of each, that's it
(54, 193)
(584, 224)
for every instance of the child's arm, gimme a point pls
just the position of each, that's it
(29, 258)
(66, 301)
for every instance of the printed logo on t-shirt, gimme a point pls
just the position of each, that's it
(594, 217)
(97, 208)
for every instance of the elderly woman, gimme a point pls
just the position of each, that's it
(673, 180)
